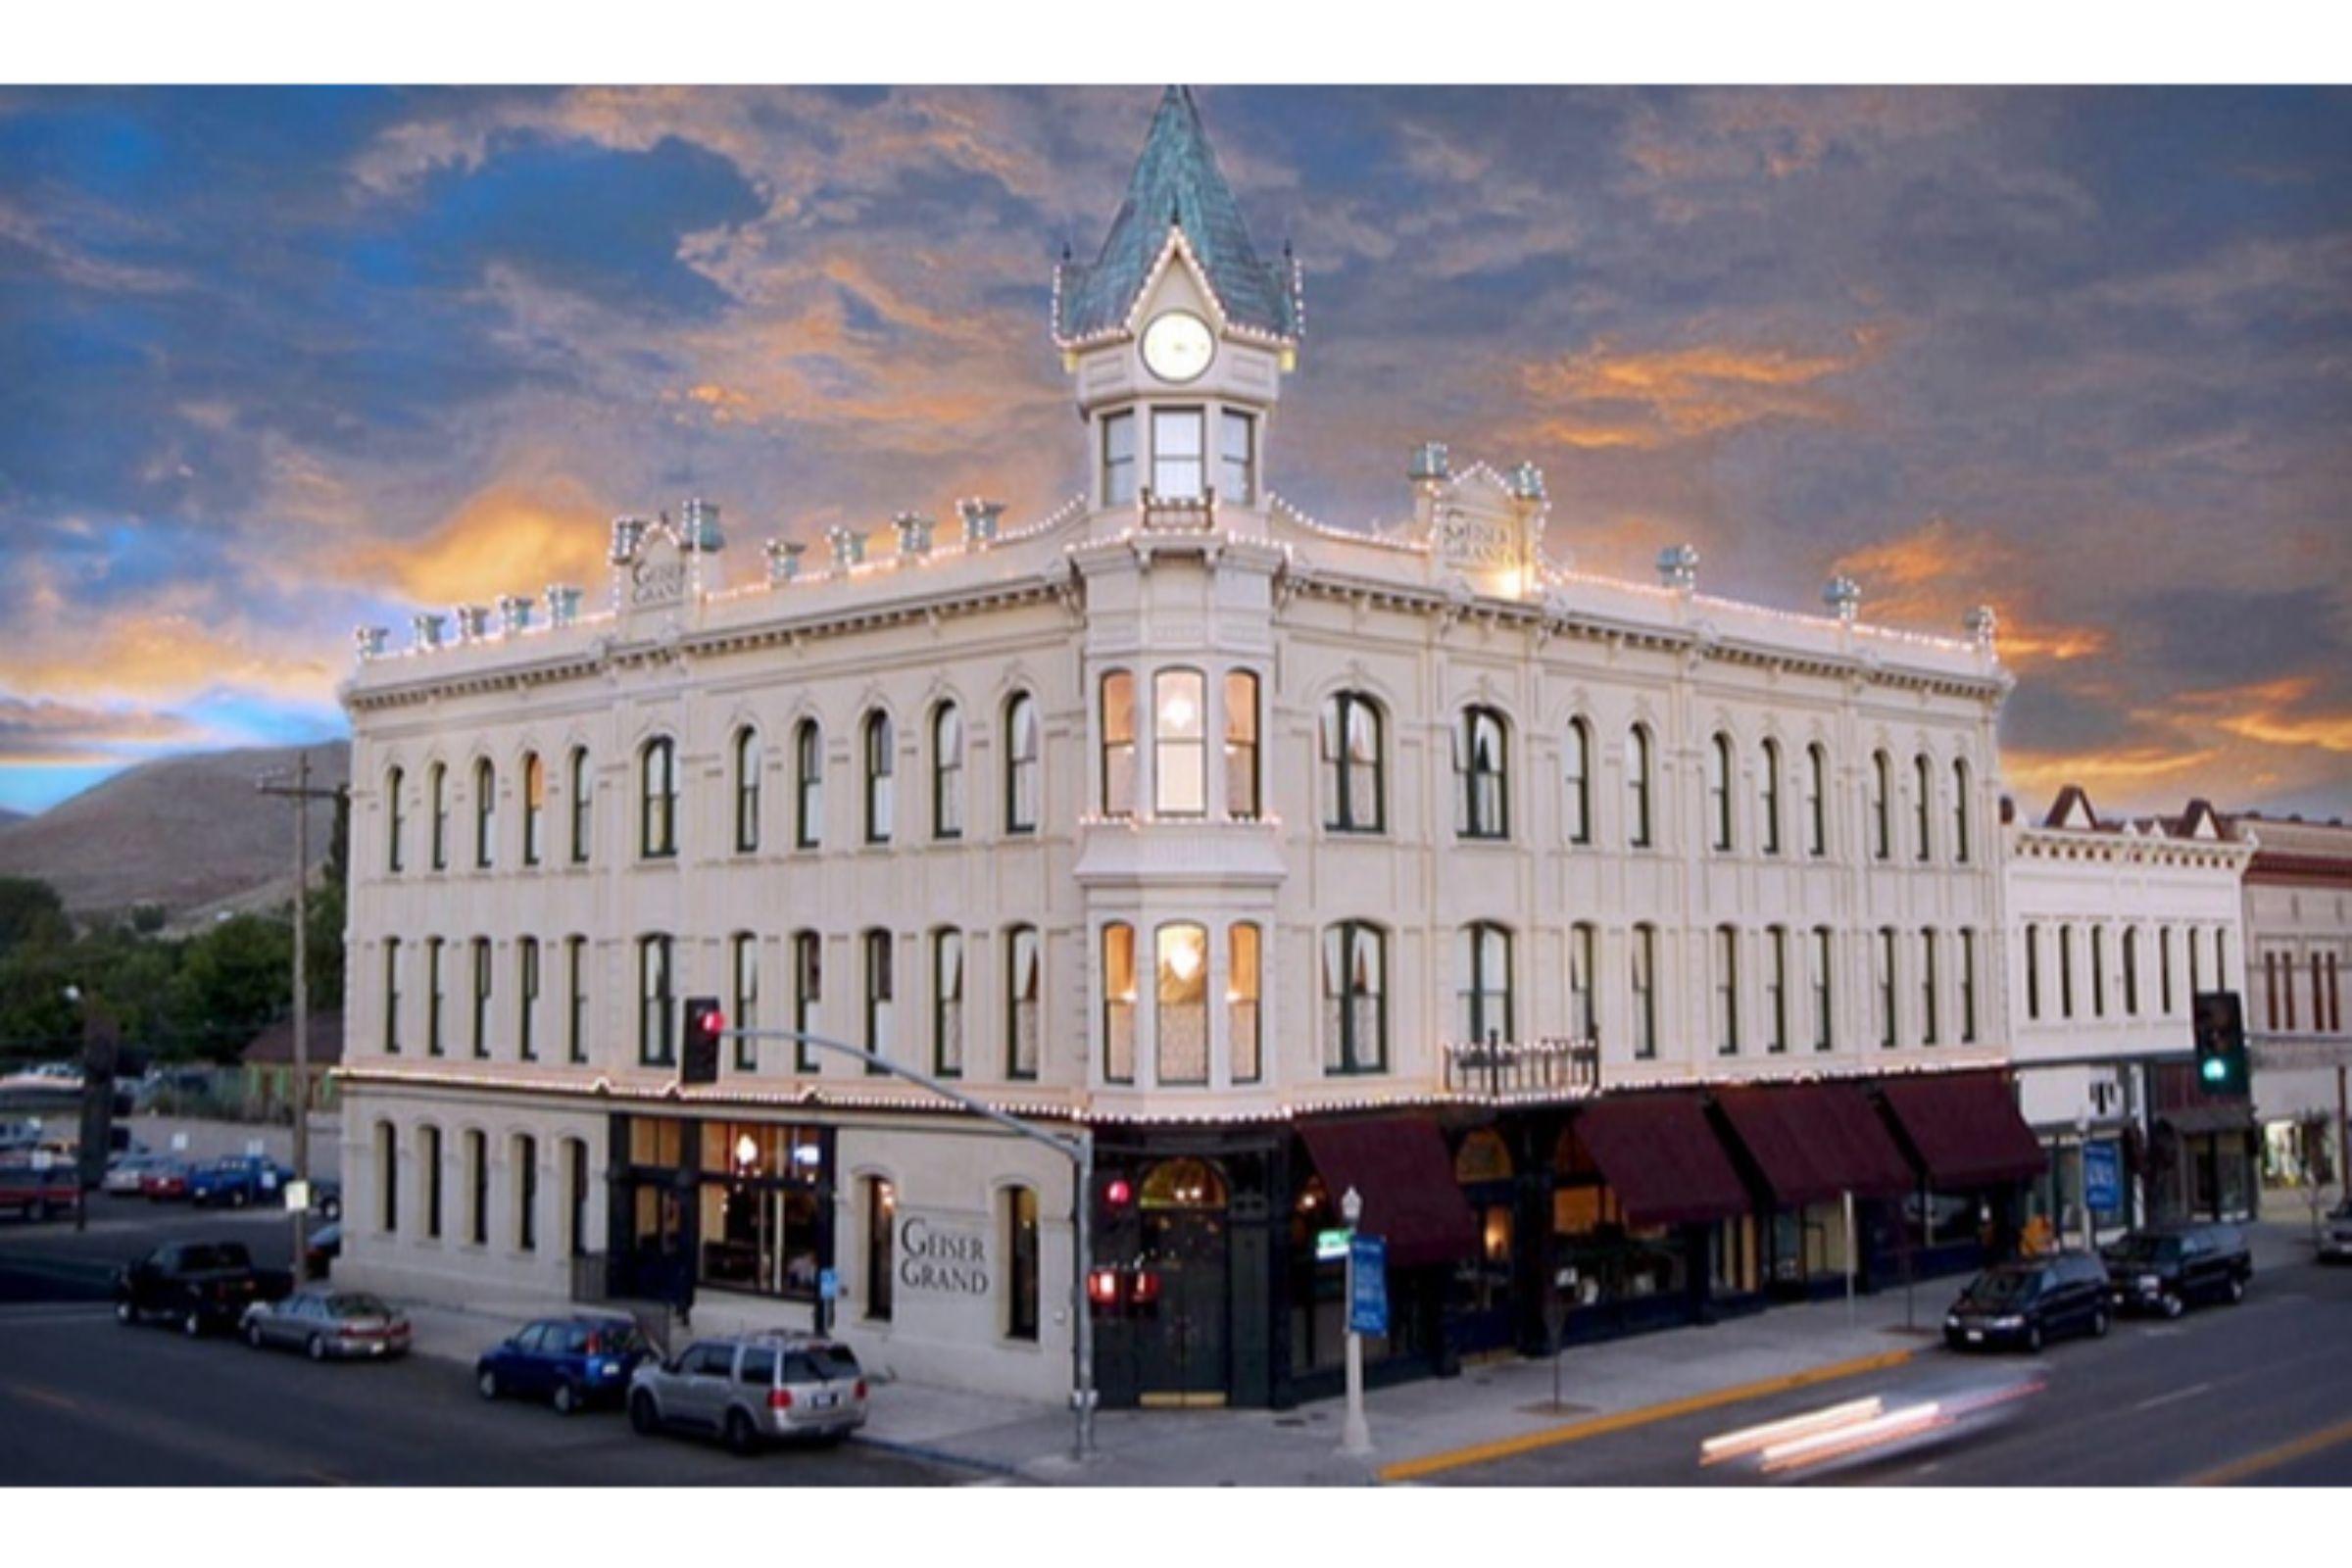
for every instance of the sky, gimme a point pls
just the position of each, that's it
(277, 363)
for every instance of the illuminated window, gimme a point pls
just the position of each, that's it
(1181, 1033)
(1244, 1018)
(1179, 743)
(1240, 746)
(1118, 1003)
(1023, 1253)
(534, 808)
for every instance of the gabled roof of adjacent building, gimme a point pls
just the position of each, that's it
(1176, 186)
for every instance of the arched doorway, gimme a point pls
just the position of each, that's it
(1183, 1302)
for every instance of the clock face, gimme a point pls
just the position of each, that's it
(1178, 346)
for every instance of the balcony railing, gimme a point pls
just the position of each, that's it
(1526, 1069)
(1178, 513)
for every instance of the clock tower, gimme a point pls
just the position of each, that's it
(1178, 335)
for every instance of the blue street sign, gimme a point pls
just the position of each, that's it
(1368, 1286)
(2103, 1177)
(828, 1285)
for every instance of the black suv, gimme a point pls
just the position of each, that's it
(2029, 1301)
(2164, 1268)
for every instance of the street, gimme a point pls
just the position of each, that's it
(2259, 1393)
(84, 1401)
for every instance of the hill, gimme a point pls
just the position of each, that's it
(179, 832)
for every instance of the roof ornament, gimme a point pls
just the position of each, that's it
(849, 549)
(698, 526)
(1678, 567)
(425, 627)
(369, 641)
(1526, 484)
(1431, 462)
(563, 604)
(1982, 626)
(915, 534)
(474, 622)
(981, 521)
(783, 561)
(513, 614)
(1843, 596)
(628, 534)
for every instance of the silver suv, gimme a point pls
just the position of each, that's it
(752, 1390)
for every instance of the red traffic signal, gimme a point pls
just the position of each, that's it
(699, 1055)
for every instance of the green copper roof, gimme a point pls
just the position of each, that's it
(1177, 183)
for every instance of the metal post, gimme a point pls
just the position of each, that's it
(1356, 1436)
(1848, 1198)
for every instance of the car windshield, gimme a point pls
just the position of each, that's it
(358, 1305)
(220, 1254)
(616, 1339)
(1998, 1287)
(2146, 1250)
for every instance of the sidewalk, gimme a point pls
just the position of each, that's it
(1504, 1404)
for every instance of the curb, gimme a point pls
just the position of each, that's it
(917, 1451)
(1641, 1416)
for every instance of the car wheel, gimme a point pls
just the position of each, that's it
(644, 1419)
(742, 1437)
(485, 1384)
(191, 1325)
(566, 1398)
(239, 1199)
(254, 1336)
(2237, 1290)
(125, 1313)
(2099, 1324)
(2033, 1339)
(2171, 1303)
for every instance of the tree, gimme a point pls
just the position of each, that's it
(234, 979)
(31, 911)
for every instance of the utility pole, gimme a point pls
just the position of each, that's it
(301, 795)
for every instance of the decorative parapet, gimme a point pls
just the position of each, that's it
(563, 604)
(849, 549)
(1178, 513)
(697, 527)
(1843, 596)
(982, 521)
(1527, 483)
(1430, 462)
(1678, 568)
(426, 628)
(474, 622)
(628, 535)
(914, 535)
(1982, 626)
(368, 642)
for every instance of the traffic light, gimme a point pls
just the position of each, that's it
(2221, 1035)
(699, 1059)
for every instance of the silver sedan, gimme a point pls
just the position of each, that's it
(329, 1325)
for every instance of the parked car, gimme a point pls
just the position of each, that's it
(570, 1361)
(329, 1325)
(237, 1180)
(37, 1186)
(2335, 1242)
(326, 1198)
(2168, 1268)
(126, 1172)
(165, 1181)
(750, 1392)
(2028, 1302)
(197, 1285)
(320, 1250)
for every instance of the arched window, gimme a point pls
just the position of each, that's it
(429, 1170)
(743, 966)
(478, 1184)
(1923, 808)
(436, 793)
(1768, 799)
(881, 992)
(657, 1009)
(2164, 970)
(746, 790)
(575, 998)
(524, 1161)
(1022, 1256)
(395, 825)
(1578, 766)
(1637, 824)
(1354, 791)
(1584, 954)
(1022, 763)
(391, 996)
(946, 1002)
(2066, 971)
(2130, 972)
(2033, 971)
(432, 996)
(486, 813)
(880, 764)
(1776, 988)
(526, 997)
(1356, 998)
(1967, 988)
(1118, 720)
(1960, 833)
(1645, 979)
(1181, 1025)
(1024, 1001)
(481, 996)
(573, 1154)
(1184, 1183)
(947, 772)
(1820, 960)
(657, 798)
(1882, 822)
(1930, 1026)
(534, 808)
(1719, 792)
(807, 995)
(1888, 993)
(1483, 962)
(1482, 792)
(581, 784)
(1726, 991)
(387, 1178)
(1244, 1018)
(1179, 743)
(1118, 1003)
(809, 784)
(1817, 799)
(1240, 746)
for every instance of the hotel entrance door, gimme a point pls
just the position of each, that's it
(1183, 1313)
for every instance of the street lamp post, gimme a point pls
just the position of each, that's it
(1078, 1148)
(1356, 1434)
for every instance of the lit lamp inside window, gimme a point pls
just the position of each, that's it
(747, 1151)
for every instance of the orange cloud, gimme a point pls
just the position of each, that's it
(163, 657)
(509, 538)
(1606, 397)
(2126, 771)
(2264, 712)
(1933, 574)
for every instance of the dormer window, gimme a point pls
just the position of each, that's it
(1118, 459)
(1178, 451)
(1237, 457)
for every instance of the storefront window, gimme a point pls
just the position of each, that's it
(760, 1201)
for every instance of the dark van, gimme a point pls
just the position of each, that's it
(2028, 1302)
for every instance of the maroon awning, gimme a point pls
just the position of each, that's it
(1963, 1128)
(1398, 1166)
(1664, 1161)
(1815, 1142)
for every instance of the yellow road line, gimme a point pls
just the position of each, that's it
(2272, 1458)
(1429, 1464)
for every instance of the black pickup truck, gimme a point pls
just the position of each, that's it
(196, 1284)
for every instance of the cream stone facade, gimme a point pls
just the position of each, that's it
(2298, 914)
(1172, 815)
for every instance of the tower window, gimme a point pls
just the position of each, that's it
(1237, 457)
(1118, 460)
(1178, 454)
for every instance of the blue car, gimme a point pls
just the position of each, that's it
(238, 1181)
(570, 1361)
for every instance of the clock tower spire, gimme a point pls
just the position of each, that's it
(1177, 334)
